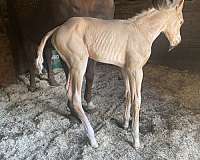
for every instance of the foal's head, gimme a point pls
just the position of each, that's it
(175, 19)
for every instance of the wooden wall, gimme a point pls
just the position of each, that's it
(7, 69)
(187, 54)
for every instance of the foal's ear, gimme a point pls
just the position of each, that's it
(163, 4)
(180, 4)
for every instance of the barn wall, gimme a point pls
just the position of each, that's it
(187, 54)
(7, 71)
(128, 8)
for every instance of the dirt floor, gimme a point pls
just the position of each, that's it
(39, 126)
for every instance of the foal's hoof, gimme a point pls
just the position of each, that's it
(137, 145)
(94, 144)
(126, 125)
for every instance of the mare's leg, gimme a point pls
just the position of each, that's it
(47, 57)
(89, 75)
(29, 49)
(76, 78)
(65, 68)
(127, 100)
(32, 86)
(135, 79)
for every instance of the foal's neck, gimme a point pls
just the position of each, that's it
(152, 24)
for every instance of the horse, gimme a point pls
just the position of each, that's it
(123, 43)
(30, 20)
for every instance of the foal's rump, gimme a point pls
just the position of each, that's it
(67, 39)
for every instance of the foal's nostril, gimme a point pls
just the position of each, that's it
(176, 43)
(171, 48)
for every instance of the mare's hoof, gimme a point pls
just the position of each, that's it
(74, 117)
(32, 88)
(53, 83)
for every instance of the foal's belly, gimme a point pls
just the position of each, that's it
(107, 55)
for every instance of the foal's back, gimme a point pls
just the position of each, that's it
(105, 40)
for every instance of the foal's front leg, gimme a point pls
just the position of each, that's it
(135, 80)
(138, 85)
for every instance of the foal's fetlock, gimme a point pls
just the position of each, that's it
(52, 82)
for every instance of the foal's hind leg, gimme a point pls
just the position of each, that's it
(77, 79)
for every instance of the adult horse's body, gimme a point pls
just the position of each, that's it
(124, 43)
(31, 19)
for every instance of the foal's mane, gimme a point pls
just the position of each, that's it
(144, 13)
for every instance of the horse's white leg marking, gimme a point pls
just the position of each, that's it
(77, 79)
(127, 100)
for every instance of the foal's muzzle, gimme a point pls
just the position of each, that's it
(171, 48)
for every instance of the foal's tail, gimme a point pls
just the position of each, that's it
(39, 59)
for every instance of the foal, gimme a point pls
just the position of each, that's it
(124, 43)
